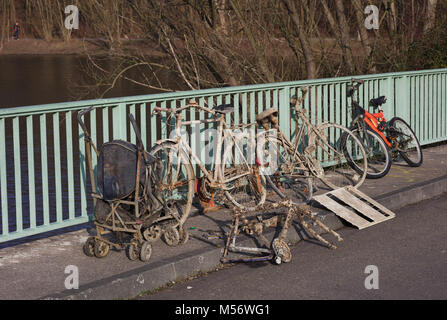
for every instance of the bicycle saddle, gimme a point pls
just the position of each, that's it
(378, 101)
(266, 114)
(224, 109)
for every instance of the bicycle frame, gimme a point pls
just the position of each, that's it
(371, 119)
(216, 177)
(306, 128)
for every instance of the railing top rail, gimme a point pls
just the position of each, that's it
(76, 105)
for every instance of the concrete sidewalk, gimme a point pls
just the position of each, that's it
(36, 270)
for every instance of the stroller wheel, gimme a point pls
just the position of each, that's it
(89, 247)
(172, 236)
(146, 251)
(152, 234)
(132, 252)
(101, 249)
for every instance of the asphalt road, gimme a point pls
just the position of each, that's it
(409, 251)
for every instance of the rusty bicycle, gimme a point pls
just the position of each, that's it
(321, 151)
(234, 171)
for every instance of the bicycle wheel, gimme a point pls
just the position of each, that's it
(378, 153)
(283, 171)
(244, 185)
(407, 143)
(329, 153)
(173, 179)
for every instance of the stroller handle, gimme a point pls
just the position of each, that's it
(80, 115)
(137, 131)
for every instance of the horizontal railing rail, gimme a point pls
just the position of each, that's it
(43, 181)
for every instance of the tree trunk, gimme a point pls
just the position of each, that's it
(344, 35)
(223, 34)
(430, 15)
(254, 42)
(307, 50)
(366, 42)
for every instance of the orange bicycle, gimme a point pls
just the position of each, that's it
(383, 140)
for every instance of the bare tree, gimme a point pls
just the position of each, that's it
(256, 44)
(303, 37)
(364, 37)
(340, 29)
(344, 35)
(430, 15)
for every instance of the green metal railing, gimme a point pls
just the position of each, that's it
(43, 181)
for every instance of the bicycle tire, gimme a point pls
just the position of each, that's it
(379, 152)
(334, 153)
(246, 192)
(272, 162)
(405, 154)
(184, 194)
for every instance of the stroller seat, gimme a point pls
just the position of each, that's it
(117, 169)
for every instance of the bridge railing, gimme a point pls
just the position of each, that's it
(43, 181)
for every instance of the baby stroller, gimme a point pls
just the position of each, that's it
(128, 214)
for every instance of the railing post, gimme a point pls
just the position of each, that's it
(284, 111)
(17, 174)
(3, 179)
(403, 107)
(120, 122)
(391, 94)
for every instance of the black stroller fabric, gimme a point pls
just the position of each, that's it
(117, 169)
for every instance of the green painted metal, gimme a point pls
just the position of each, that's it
(420, 97)
(44, 169)
(3, 179)
(31, 179)
(70, 165)
(17, 174)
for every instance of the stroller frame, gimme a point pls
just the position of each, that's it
(139, 246)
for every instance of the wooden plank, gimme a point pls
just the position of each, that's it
(358, 205)
(371, 201)
(342, 211)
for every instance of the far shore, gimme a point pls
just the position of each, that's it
(27, 46)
